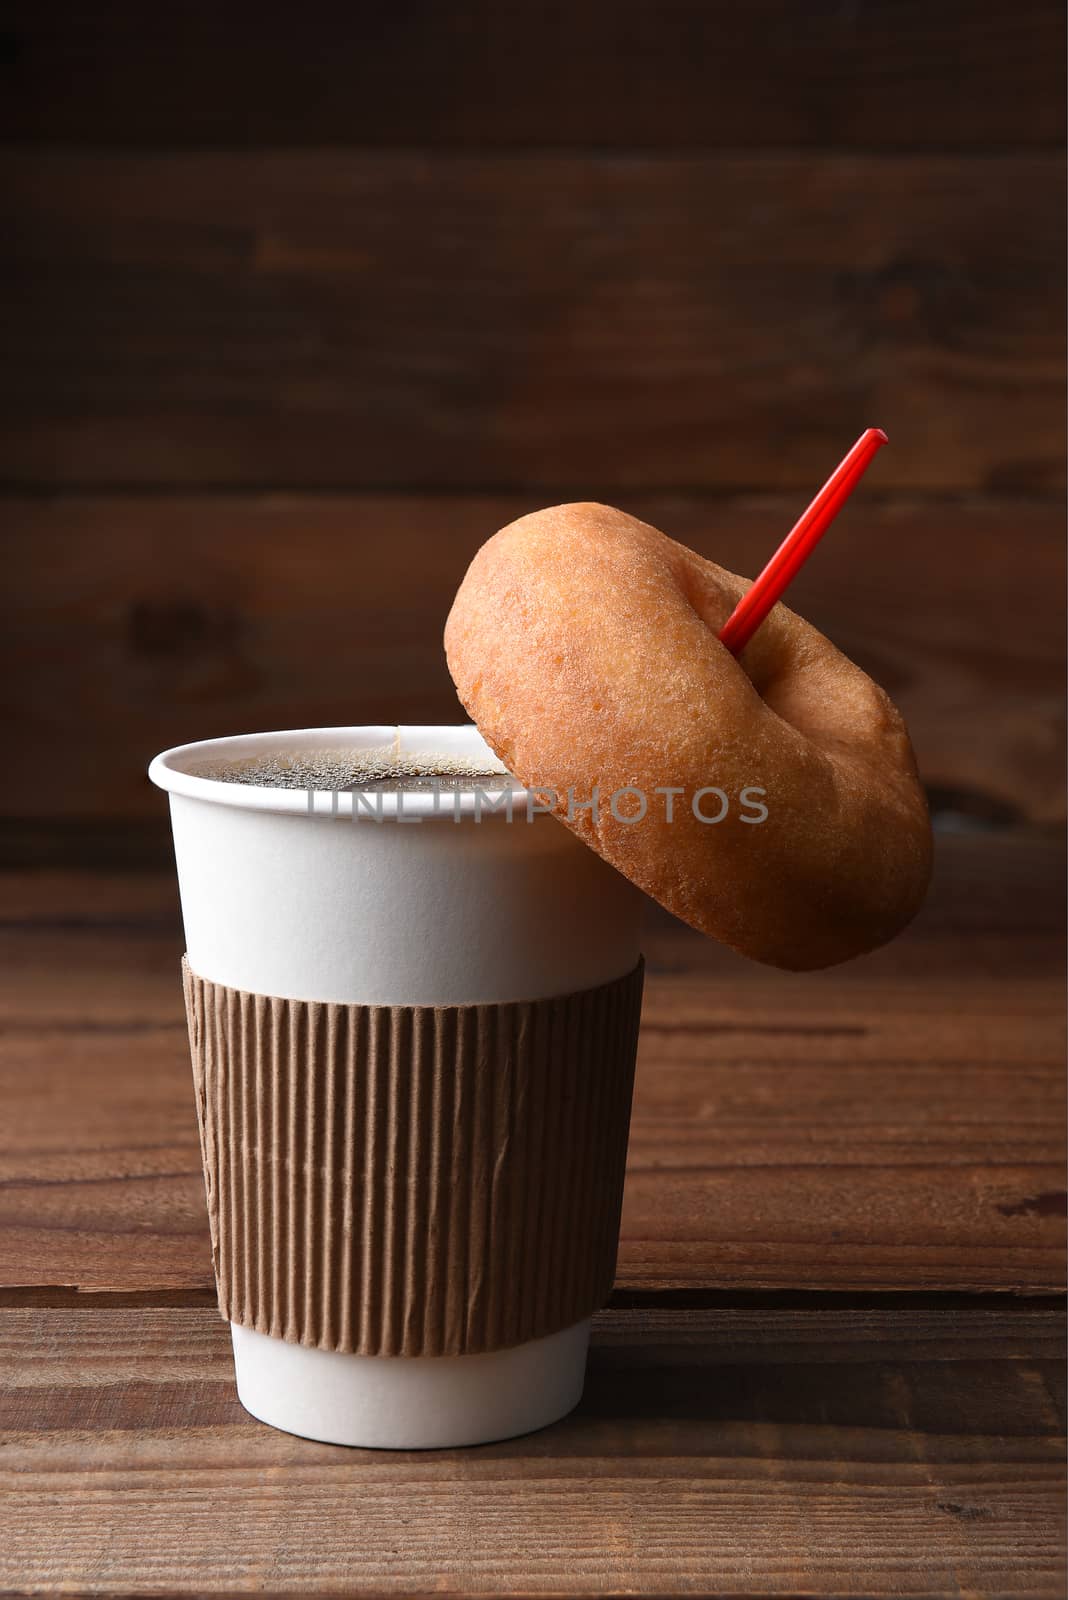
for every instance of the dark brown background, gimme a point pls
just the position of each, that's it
(300, 304)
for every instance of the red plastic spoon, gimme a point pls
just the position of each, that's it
(799, 543)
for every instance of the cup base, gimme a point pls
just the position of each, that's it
(410, 1402)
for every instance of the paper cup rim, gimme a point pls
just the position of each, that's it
(169, 770)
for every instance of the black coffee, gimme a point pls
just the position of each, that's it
(442, 782)
(368, 771)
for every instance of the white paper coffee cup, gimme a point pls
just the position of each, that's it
(449, 904)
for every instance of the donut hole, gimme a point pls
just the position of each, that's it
(712, 601)
(831, 708)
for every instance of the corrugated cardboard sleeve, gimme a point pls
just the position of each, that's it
(413, 1180)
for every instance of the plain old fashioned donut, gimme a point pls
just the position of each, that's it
(584, 645)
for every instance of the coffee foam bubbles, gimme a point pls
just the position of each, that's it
(340, 769)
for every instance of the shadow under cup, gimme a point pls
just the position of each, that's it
(413, 1027)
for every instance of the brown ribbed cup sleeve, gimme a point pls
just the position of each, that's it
(413, 1180)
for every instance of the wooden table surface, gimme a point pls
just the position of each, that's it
(831, 1363)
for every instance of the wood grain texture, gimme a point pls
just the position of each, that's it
(132, 624)
(701, 1460)
(352, 319)
(895, 1123)
(900, 74)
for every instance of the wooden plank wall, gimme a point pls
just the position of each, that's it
(299, 307)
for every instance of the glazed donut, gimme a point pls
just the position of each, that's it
(584, 645)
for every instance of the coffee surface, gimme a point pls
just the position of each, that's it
(373, 771)
(443, 782)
